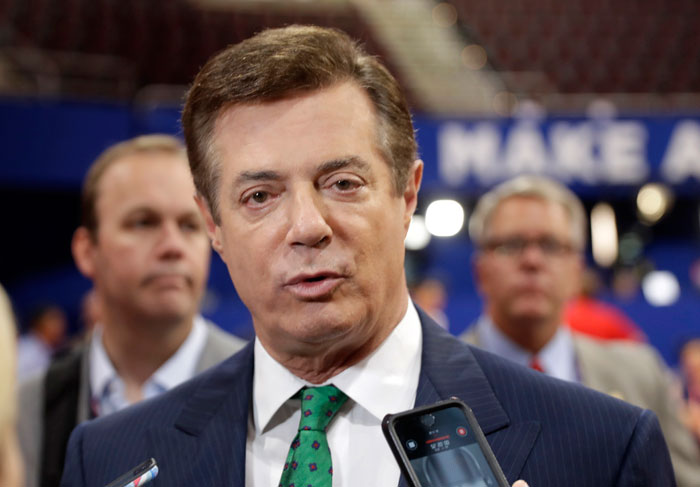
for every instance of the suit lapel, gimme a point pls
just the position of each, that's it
(61, 403)
(218, 346)
(451, 369)
(208, 438)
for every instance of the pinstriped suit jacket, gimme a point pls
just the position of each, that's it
(546, 431)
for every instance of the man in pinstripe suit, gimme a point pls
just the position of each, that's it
(304, 158)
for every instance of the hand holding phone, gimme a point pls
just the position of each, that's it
(442, 446)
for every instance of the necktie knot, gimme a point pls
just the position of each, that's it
(318, 407)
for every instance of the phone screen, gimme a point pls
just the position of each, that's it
(443, 449)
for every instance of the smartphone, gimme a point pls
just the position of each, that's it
(137, 476)
(442, 446)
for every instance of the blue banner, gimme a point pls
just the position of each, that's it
(52, 144)
(588, 154)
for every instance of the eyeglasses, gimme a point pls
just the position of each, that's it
(515, 246)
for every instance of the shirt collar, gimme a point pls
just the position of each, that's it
(385, 381)
(102, 371)
(557, 357)
(177, 369)
(183, 363)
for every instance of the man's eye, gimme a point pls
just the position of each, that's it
(550, 246)
(513, 246)
(142, 223)
(190, 226)
(345, 184)
(259, 196)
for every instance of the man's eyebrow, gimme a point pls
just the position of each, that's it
(344, 162)
(326, 167)
(141, 209)
(145, 210)
(258, 176)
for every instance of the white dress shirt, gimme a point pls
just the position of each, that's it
(33, 356)
(107, 388)
(384, 382)
(557, 357)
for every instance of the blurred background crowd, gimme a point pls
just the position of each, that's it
(602, 96)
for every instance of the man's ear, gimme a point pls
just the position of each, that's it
(212, 228)
(83, 249)
(477, 266)
(577, 272)
(410, 194)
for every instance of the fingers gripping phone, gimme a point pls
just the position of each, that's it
(442, 446)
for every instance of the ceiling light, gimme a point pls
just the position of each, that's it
(661, 288)
(653, 201)
(604, 235)
(474, 57)
(418, 236)
(444, 218)
(444, 14)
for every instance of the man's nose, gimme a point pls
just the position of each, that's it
(532, 254)
(171, 241)
(308, 224)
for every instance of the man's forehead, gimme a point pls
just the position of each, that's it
(512, 211)
(352, 90)
(134, 181)
(518, 202)
(269, 140)
(259, 116)
(139, 165)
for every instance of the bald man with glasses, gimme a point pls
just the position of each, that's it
(530, 236)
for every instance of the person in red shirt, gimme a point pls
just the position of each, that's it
(588, 315)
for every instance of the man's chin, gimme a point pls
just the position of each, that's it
(308, 335)
(319, 332)
(530, 315)
(169, 311)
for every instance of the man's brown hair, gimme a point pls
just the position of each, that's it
(156, 143)
(281, 63)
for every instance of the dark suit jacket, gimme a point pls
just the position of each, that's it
(53, 403)
(546, 431)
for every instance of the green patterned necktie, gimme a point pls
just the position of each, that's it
(309, 460)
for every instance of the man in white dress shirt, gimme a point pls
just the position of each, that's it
(304, 157)
(143, 244)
